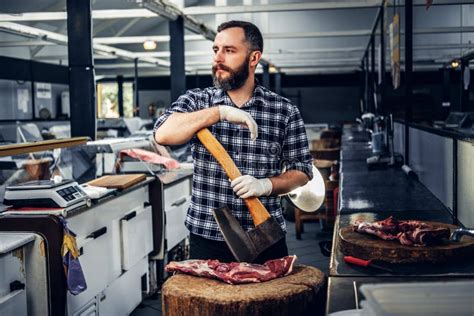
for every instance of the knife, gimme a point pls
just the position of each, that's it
(365, 263)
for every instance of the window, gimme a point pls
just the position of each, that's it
(128, 99)
(107, 100)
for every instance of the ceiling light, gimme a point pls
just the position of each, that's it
(455, 64)
(149, 45)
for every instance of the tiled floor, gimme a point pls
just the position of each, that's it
(307, 250)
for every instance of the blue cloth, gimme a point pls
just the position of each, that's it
(281, 142)
(76, 282)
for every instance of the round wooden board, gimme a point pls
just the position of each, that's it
(295, 294)
(371, 247)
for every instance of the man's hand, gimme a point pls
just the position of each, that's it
(236, 116)
(248, 186)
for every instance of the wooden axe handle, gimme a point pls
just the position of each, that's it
(257, 210)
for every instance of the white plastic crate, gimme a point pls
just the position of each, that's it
(427, 298)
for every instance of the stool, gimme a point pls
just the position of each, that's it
(324, 167)
(331, 133)
(299, 293)
(325, 143)
(326, 153)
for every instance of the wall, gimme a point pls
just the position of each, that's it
(333, 98)
(161, 98)
(431, 156)
(330, 105)
(17, 94)
(320, 98)
(16, 99)
(466, 183)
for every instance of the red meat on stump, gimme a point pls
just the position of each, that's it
(299, 293)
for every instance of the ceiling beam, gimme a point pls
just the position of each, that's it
(61, 15)
(308, 6)
(281, 7)
(289, 35)
(194, 37)
(198, 37)
(141, 39)
(165, 54)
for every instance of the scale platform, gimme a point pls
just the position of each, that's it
(45, 193)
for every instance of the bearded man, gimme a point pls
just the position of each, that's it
(262, 132)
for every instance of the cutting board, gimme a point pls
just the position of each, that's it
(371, 247)
(121, 181)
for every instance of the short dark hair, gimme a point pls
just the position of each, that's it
(252, 33)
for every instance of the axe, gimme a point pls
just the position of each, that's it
(245, 246)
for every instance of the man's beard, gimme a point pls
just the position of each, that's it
(236, 78)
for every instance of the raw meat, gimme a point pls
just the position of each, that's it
(235, 272)
(151, 157)
(408, 233)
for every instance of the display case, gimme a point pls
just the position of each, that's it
(114, 234)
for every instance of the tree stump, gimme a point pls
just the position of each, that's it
(300, 293)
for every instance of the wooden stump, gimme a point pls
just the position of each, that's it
(296, 294)
(370, 247)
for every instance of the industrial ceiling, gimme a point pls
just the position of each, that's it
(300, 38)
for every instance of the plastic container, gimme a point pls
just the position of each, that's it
(426, 298)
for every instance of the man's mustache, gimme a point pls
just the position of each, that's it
(220, 67)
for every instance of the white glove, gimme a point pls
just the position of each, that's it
(236, 116)
(248, 186)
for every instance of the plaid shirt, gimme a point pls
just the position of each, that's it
(281, 142)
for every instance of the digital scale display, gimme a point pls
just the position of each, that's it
(45, 193)
(70, 193)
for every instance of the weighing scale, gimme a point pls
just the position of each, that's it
(46, 193)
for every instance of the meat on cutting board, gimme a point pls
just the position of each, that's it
(235, 272)
(408, 233)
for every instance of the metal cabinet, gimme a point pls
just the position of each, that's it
(23, 272)
(114, 240)
(136, 236)
(170, 197)
(176, 200)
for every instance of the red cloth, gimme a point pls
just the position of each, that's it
(151, 157)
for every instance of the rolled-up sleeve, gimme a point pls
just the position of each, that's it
(295, 151)
(185, 103)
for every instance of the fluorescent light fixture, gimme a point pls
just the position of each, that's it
(149, 45)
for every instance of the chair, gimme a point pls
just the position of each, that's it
(317, 144)
(331, 133)
(327, 211)
(326, 149)
(326, 153)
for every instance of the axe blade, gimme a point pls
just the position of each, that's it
(265, 235)
(236, 238)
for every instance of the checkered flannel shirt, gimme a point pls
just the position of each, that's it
(281, 142)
